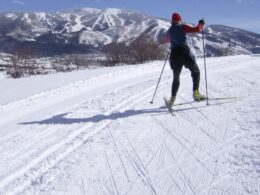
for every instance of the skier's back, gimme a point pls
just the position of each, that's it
(181, 55)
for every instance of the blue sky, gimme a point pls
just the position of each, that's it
(244, 14)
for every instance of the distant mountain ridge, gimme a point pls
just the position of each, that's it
(88, 29)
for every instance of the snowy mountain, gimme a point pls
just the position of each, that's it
(94, 132)
(85, 30)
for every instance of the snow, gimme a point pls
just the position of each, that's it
(163, 24)
(210, 30)
(11, 16)
(27, 18)
(66, 16)
(89, 37)
(113, 11)
(78, 26)
(95, 132)
(91, 10)
(120, 25)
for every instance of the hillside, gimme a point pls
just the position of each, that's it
(88, 30)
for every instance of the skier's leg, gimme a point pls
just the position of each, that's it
(176, 79)
(176, 63)
(195, 74)
(191, 64)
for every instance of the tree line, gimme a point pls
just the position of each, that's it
(23, 62)
(141, 50)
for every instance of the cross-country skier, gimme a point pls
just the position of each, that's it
(181, 55)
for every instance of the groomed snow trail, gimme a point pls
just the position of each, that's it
(96, 132)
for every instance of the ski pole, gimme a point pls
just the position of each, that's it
(160, 77)
(205, 67)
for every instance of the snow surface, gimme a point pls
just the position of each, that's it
(11, 16)
(95, 132)
(94, 38)
(78, 26)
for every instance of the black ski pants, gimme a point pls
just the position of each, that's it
(179, 57)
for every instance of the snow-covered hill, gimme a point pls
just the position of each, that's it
(94, 132)
(83, 30)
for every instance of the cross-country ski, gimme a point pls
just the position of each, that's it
(168, 106)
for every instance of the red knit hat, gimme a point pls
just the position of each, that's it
(176, 17)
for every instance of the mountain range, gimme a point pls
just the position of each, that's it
(88, 30)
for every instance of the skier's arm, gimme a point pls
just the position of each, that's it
(190, 29)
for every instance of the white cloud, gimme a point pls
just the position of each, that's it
(18, 2)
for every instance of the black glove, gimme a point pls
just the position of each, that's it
(202, 21)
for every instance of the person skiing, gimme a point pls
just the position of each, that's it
(181, 54)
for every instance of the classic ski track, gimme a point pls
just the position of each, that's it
(215, 151)
(111, 175)
(142, 168)
(214, 180)
(201, 113)
(64, 89)
(174, 161)
(181, 143)
(137, 164)
(117, 150)
(118, 153)
(199, 126)
(227, 146)
(213, 174)
(219, 148)
(16, 135)
(185, 177)
(73, 141)
(68, 92)
(168, 174)
(37, 137)
(53, 92)
(228, 143)
(138, 176)
(140, 171)
(70, 87)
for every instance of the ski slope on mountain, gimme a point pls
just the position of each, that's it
(94, 132)
(89, 29)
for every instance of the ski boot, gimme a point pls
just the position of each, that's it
(197, 96)
(170, 102)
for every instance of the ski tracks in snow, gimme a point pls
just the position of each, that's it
(116, 143)
(18, 179)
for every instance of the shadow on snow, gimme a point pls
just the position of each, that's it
(62, 119)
